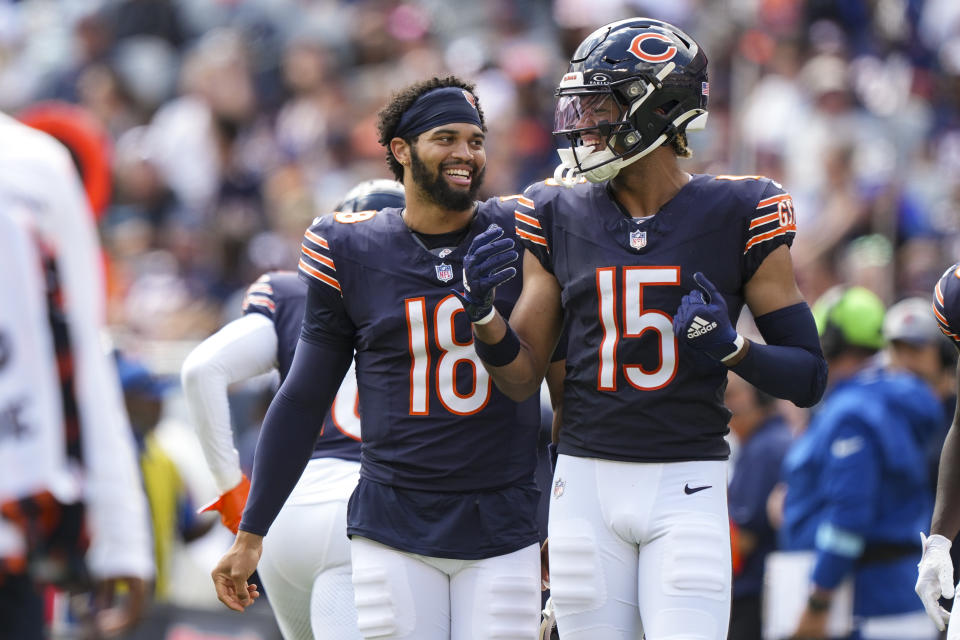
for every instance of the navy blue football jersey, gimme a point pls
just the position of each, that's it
(281, 297)
(630, 394)
(946, 304)
(444, 452)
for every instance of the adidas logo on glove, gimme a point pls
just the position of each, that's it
(699, 327)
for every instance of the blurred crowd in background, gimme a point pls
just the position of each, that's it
(233, 123)
(227, 125)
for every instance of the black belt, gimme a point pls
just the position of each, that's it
(883, 552)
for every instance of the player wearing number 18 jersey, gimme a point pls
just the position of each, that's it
(648, 268)
(444, 539)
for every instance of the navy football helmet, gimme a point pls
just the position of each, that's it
(373, 195)
(631, 87)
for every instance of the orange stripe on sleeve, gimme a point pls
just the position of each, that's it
(769, 235)
(952, 336)
(532, 238)
(938, 293)
(314, 238)
(940, 317)
(319, 275)
(263, 302)
(762, 220)
(773, 200)
(322, 259)
(530, 220)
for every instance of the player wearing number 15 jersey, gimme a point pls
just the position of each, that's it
(622, 279)
(444, 538)
(648, 267)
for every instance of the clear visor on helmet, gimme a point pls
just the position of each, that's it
(588, 118)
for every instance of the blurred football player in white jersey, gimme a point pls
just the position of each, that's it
(305, 566)
(40, 183)
(32, 438)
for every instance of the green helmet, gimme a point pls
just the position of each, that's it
(849, 317)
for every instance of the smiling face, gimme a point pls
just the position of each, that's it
(587, 112)
(448, 163)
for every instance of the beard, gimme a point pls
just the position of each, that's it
(436, 188)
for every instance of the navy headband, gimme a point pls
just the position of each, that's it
(438, 107)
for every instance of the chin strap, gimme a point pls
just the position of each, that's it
(568, 172)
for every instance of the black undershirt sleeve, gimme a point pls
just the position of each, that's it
(294, 419)
(290, 430)
(791, 365)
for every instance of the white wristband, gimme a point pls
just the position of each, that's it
(487, 318)
(738, 342)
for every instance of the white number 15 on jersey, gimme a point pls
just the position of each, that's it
(636, 321)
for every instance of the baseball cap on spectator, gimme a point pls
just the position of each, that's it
(911, 320)
(849, 317)
(135, 377)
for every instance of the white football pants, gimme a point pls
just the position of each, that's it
(409, 596)
(953, 627)
(305, 565)
(640, 548)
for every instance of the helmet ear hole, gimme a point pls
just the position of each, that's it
(667, 107)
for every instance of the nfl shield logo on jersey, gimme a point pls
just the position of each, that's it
(638, 239)
(558, 487)
(444, 272)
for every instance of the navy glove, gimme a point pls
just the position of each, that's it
(485, 267)
(702, 321)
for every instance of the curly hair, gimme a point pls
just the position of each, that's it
(679, 145)
(389, 117)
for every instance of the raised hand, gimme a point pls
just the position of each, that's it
(485, 267)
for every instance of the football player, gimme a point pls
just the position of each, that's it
(444, 539)
(307, 575)
(648, 267)
(32, 434)
(936, 568)
(38, 175)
